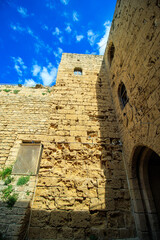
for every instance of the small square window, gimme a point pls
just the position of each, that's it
(28, 158)
(77, 71)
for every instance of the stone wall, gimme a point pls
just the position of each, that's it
(81, 189)
(24, 116)
(135, 35)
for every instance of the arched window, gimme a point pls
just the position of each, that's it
(122, 95)
(78, 71)
(111, 53)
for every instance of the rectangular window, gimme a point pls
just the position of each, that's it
(28, 158)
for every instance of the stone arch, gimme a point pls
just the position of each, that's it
(145, 177)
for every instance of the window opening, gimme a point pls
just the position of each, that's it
(111, 52)
(77, 71)
(123, 95)
(28, 158)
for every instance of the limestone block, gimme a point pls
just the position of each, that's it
(40, 218)
(115, 219)
(94, 204)
(59, 218)
(80, 219)
(64, 203)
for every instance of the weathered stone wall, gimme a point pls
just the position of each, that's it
(82, 190)
(135, 35)
(24, 115)
(21, 113)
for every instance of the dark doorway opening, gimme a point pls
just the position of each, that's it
(146, 188)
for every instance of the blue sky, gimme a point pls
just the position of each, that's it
(35, 33)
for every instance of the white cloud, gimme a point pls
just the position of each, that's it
(50, 4)
(65, 14)
(19, 65)
(79, 38)
(48, 76)
(103, 41)
(39, 43)
(56, 32)
(30, 32)
(17, 28)
(29, 83)
(91, 37)
(22, 11)
(44, 27)
(20, 61)
(75, 16)
(36, 70)
(58, 53)
(87, 52)
(107, 23)
(65, 2)
(68, 29)
(61, 39)
(20, 80)
(18, 70)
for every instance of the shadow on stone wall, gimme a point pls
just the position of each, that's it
(67, 225)
(14, 221)
(54, 224)
(120, 222)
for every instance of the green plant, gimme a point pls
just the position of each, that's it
(23, 180)
(11, 200)
(43, 93)
(0, 90)
(6, 172)
(7, 192)
(6, 90)
(16, 91)
(28, 192)
(9, 197)
(48, 90)
(8, 180)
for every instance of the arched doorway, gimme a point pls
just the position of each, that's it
(146, 188)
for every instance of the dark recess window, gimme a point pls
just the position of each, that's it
(122, 95)
(111, 52)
